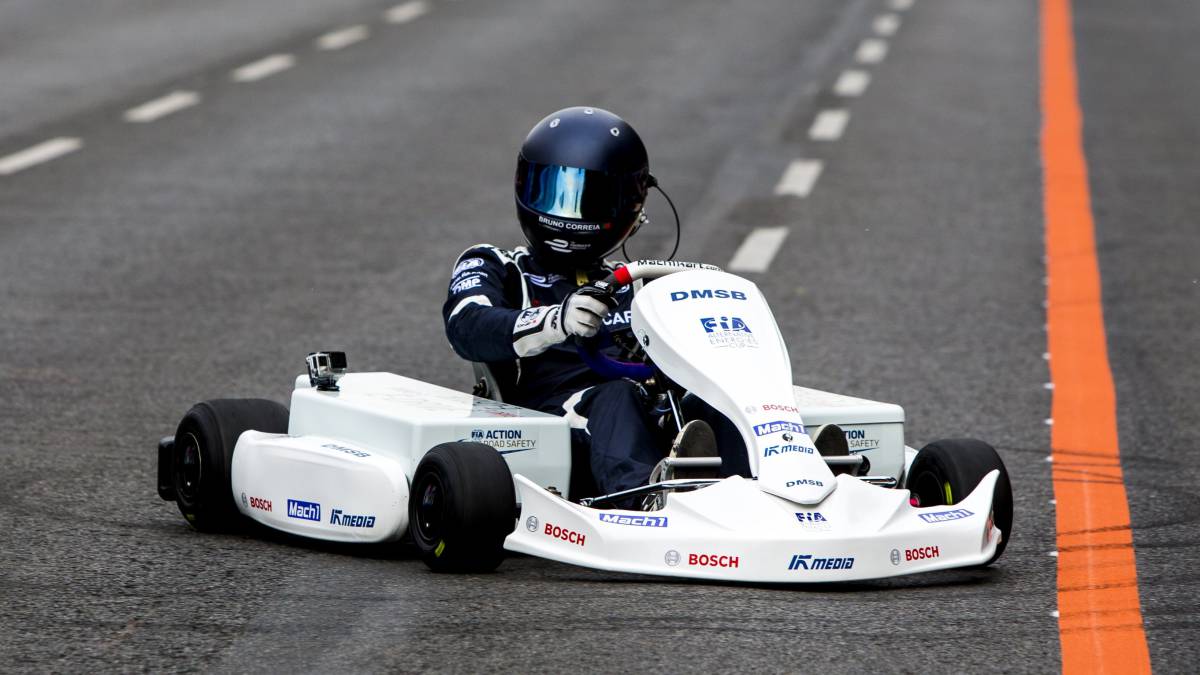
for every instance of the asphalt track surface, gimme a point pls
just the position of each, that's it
(201, 255)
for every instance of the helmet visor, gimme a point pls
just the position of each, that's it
(578, 194)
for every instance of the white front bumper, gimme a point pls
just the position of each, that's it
(734, 531)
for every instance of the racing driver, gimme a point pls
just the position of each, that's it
(581, 183)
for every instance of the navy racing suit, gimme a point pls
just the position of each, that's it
(499, 310)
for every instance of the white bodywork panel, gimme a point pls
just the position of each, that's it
(355, 451)
(735, 531)
(713, 333)
(873, 429)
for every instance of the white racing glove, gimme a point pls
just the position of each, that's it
(581, 314)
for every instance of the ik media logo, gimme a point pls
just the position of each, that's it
(806, 561)
(336, 517)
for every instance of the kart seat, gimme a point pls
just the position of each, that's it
(493, 379)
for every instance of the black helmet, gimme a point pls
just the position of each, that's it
(582, 176)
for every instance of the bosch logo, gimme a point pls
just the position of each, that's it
(531, 523)
(923, 553)
(768, 407)
(708, 560)
(671, 558)
(895, 556)
(570, 536)
(260, 503)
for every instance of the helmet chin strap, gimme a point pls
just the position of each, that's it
(643, 218)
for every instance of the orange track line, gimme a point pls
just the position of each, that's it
(1100, 624)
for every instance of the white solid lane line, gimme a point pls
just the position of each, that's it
(264, 67)
(756, 253)
(852, 83)
(872, 50)
(901, 5)
(342, 38)
(829, 125)
(405, 12)
(800, 177)
(42, 152)
(886, 24)
(162, 106)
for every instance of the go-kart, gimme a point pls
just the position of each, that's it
(376, 457)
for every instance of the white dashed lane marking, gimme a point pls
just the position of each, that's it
(799, 178)
(900, 5)
(871, 50)
(342, 38)
(264, 67)
(852, 83)
(758, 250)
(886, 24)
(829, 125)
(162, 106)
(406, 12)
(38, 154)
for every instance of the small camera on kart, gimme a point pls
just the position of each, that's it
(325, 369)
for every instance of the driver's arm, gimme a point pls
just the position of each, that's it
(482, 325)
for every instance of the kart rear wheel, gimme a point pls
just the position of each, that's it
(946, 471)
(461, 507)
(203, 452)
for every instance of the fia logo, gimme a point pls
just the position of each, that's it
(728, 324)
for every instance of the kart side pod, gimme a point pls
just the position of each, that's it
(318, 487)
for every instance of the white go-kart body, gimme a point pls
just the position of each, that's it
(344, 469)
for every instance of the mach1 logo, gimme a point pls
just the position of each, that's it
(775, 427)
(304, 510)
(943, 516)
(641, 521)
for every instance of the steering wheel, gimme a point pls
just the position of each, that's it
(605, 290)
(605, 365)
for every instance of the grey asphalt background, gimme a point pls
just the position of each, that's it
(203, 255)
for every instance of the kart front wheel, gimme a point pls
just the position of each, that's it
(944, 472)
(203, 453)
(461, 507)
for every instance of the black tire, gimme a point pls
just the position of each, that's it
(946, 471)
(203, 453)
(461, 507)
